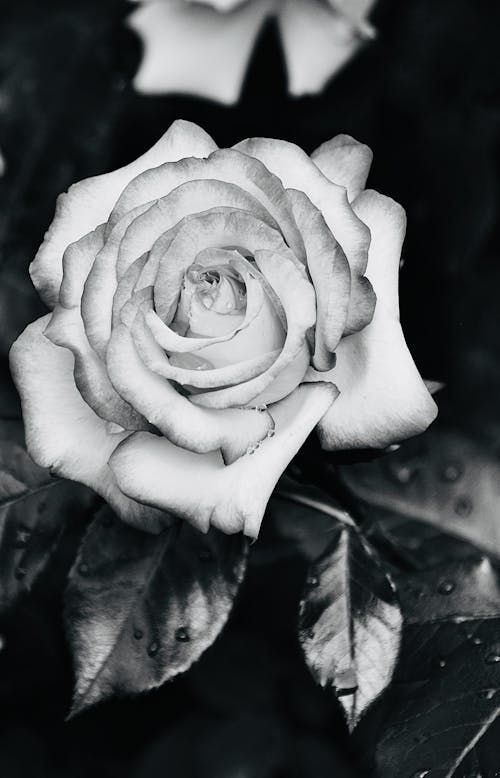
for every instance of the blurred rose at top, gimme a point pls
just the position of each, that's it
(203, 47)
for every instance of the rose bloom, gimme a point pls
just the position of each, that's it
(203, 47)
(210, 308)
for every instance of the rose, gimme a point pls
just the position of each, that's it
(202, 47)
(206, 322)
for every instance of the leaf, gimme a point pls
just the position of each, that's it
(463, 590)
(350, 623)
(444, 477)
(446, 690)
(142, 608)
(435, 721)
(34, 509)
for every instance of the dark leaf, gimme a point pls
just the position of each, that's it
(445, 477)
(435, 720)
(414, 545)
(142, 608)
(350, 623)
(305, 515)
(34, 509)
(462, 590)
(446, 690)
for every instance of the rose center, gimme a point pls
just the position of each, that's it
(219, 289)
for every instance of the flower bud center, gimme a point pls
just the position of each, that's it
(219, 288)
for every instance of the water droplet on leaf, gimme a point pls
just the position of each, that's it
(420, 774)
(446, 587)
(138, 634)
(83, 569)
(153, 649)
(493, 659)
(312, 581)
(403, 474)
(452, 472)
(182, 635)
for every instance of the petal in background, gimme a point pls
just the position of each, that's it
(62, 432)
(382, 396)
(89, 203)
(346, 162)
(233, 498)
(317, 41)
(194, 49)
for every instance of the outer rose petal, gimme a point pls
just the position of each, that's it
(317, 41)
(66, 329)
(199, 488)
(185, 200)
(89, 202)
(62, 432)
(298, 171)
(251, 175)
(331, 277)
(196, 50)
(97, 299)
(382, 396)
(344, 161)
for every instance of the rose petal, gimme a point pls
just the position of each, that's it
(77, 261)
(299, 302)
(220, 5)
(233, 498)
(344, 161)
(331, 277)
(156, 360)
(62, 432)
(100, 286)
(90, 375)
(297, 171)
(197, 429)
(224, 165)
(89, 202)
(260, 334)
(172, 342)
(223, 228)
(317, 42)
(66, 329)
(192, 49)
(126, 287)
(383, 398)
(187, 199)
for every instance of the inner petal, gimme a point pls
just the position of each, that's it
(213, 299)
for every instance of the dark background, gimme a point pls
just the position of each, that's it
(425, 95)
